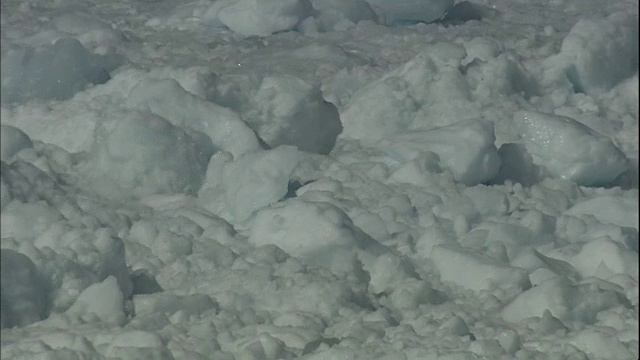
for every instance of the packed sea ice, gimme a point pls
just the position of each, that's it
(319, 179)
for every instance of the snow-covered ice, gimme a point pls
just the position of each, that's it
(411, 10)
(51, 71)
(319, 179)
(477, 162)
(282, 110)
(261, 18)
(597, 54)
(568, 149)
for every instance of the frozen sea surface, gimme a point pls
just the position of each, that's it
(319, 179)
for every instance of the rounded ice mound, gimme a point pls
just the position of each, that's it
(398, 11)
(50, 72)
(290, 111)
(318, 232)
(104, 300)
(554, 295)
(263, 17)
(12, 141)
(167, 98)
(332, 13)
(613, 210)
(256, 180)
(604, 257)
(281, 109)
(470, 270)
(473, 163)
(569, 149)
(411, 96)
(564, 300)
(23, 293)
(597, 54)
(141, 154)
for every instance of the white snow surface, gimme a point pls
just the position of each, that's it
(319, 179)
(594, 45)
(261, 18)
(282, 110)
(568, 149)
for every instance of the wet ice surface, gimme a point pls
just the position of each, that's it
(320, 179)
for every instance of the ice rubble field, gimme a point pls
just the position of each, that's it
(323, 179)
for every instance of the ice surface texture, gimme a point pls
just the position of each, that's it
(569, 149)
(282, 109)
(23, 291)
(166, 98)
(320, 179)
(55, 71)
(411, 10)
(142, 154)
(478, 161)
(597, 54)
(13, 140)
(262, 18)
